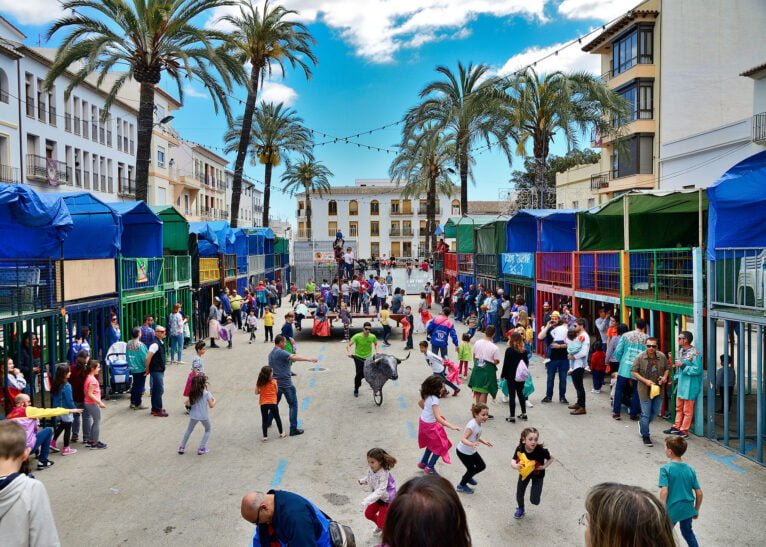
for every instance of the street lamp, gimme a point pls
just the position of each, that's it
(166, 119)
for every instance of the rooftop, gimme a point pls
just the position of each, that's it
(618, 26)
(759, 70)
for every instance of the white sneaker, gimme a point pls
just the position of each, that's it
(530, 405)
(594, 391)
(546, 361)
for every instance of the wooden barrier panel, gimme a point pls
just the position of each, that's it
(87, 278)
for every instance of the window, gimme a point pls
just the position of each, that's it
(636, 158)
(394, 206)
(455, 207)
(332, 229)
(353, 229)
(396, 249)
(635, 47)
(374, 207)
(3, 87)
(639, 95)
(407, 248)
(374, 248)
(332, 210)
(575, 204)
(591, 202)
(353, 208)
(160, 157)
(374, 228)
(422, 228)
(407, 206)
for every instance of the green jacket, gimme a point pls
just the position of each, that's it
(689, 378)
(631, 344)
(135, 354)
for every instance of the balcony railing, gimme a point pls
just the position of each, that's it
(110, 185)
(176, 270)
(486, 264)
(661, 275)
(598, 272)
(40, 167)
(131, 147)
(554, 269)
(140, 274)
(52, 116)
(102, 178)
(396, 212)
(229, 266)
(423, 210)
(465, 263)
(30, 107)
(4, 96)
(109, 138)
(27, 285)
(101, 135)
(739, 279)
(600, 181)
(126, 186)
(401, 232)
(77, 125)
(86, 178)
(9, 174)
(209, 270)
(94, 132)
(759, 128)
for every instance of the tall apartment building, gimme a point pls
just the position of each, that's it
(56, 144)
(374, 214)
(684, 68)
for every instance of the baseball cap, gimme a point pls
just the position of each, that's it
(555, 314)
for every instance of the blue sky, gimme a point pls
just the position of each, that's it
(375, 56)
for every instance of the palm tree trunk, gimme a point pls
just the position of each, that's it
(144, 138)
(540, 149)
(463, 180)
(308, 213)
(267, 192)
(431, 213)
(244, 141)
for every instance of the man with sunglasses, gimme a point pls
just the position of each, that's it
(688, 379)
(365, 344)
(285, 518)
(650, 369)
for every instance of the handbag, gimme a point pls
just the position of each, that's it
(529, 387)
(340, 534)
(522, 372)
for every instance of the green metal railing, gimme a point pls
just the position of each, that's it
(177, 271)
(661, 275)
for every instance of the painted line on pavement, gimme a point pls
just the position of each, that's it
(305, 404)
(402, 401)
(279, 473)
(728, 461)
(411, 429)
(312, 382)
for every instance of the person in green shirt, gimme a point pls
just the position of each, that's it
(464, 355)
(365, 344)
(135, 355)
(310, 288)
(679, 489)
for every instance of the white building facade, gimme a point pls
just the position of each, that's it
(375, 215)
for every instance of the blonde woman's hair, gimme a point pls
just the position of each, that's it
(629, 516)
(523, 319)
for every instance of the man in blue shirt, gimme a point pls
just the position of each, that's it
(441, 329)
(225, 302)
(285, 518)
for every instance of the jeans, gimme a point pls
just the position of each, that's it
(157, 389)
(269, 413)
(439, 350)
(429, 459)
(176, 346)
(359, 365)
(471, 331)
(687, 533)
(650, 408)
(443, 374)
(521, 490)
(474, 464)
(516, 389)
(259, 309)
(598, 379)
(577, 382)
(559, 367)
(43, 442)
(190, 428)
(292, 401)
(386, 333)
(77, 420)
(492, 320)
(137, 389)
(92, 418)
(635, 405)
(237, 316)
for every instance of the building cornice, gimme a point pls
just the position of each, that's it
(618, 26)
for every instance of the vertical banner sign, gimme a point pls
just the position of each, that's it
(142, 264)
(518, 264)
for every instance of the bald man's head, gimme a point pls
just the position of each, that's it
(257, 506)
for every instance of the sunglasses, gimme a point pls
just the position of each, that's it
(651, 345)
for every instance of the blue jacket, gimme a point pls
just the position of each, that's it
(226, 303)
(63, 399)
(297, 523)
(441, 329)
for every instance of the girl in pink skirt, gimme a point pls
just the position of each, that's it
(431, 434)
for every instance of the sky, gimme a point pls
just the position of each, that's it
(374, 58)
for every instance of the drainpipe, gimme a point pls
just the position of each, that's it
(21, 132)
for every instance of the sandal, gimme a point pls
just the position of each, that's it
(511, 419)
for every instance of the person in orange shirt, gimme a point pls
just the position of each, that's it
(266, 388)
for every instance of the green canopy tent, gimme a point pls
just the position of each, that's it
(175, 229)
(465, 228)
(655, 220)
(450, 228)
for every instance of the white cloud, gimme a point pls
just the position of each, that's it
(31, 12)
(378, 29)
(189, 91)
(274, 92)
(600, 10)
(569, 59)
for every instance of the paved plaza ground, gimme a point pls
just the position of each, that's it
(140, 492)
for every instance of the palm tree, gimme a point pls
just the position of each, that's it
(148, 37)
(309, 176)
(423, 163)
(570, 104)
(467, 106)
(275, 131)
(263, 37)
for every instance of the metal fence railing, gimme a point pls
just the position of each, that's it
(486, 265)
(465, 263)
(738, 279)
(27, 285)
(177, 269)
(256, 264)
(209, 270)
(242, 264)
(598, 272)
(554, 268)
(140, 274)
(661, 274)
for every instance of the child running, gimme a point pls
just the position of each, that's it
(679, 489)
(437, 366)
(345, 318)
(252, 325)
(268, 325)
(201, 401)
(468, 445)
(464, 354)
(266, 388)
(197, 369)
(383, 318)
(529, 449)
(382, 486)
(431, 434)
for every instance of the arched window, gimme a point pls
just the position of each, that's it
(3, 86)
(455, 207)
(374, 207)
(332, 208)
(353, 208)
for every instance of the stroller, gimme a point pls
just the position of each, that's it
(119, 378)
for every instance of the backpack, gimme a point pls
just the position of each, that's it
(522, 372)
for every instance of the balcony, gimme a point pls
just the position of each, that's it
(126, 187)
(423, 210)
(176, 271)
(9, 174)
(110, 185)
(4, 96)
(77, 125)
(125, 144)
(209, 271)
(598, 272)
(30, 107)
(86, 178)
(27, 286)
(94, 132)
(140, 274)
(661, 275)
(132, 148)
(103, 182)
(47, 169)
(85, 128)
(68, 122)
(759, 128)
(304, 234)
(52, 116)
(396, 212)
(401, 232)
(101, 135)
(600, 181)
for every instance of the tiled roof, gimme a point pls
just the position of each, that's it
(752, 71)
(619, 25)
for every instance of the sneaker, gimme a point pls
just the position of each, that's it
(430, 471)
(597, 391)
(635, 418)
(472, 482)
(421, 465)
(530, 405)
(616, 417)
(523, 417)
(160, 413)
(648, 442)
(296, 432)
(75, 438)
(265, 439)
(464, 489)
(579, 411)
(140, 407)
(54, 448)
(97, 446)
(44, 465)
(202, 451)
(546, 400)
(68, 451)
(180, 362)
(511, 419)
(672, 431)
(519, 513)
(683, 434)
(564, 401)
(282, 435)
(181, 449)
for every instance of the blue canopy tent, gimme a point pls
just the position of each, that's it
(211, 237)
(96, 230)
(542, 230)
(255, 242)
(39, 222)
(236, 244)
(141, 229)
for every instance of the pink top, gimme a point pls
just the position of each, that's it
(486, 350)
(91, 379)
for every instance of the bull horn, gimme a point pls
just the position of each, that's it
(399, 361)
(378, 360)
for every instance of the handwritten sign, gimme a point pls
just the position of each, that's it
(518, 264)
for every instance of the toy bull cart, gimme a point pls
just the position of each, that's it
(378, 369)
